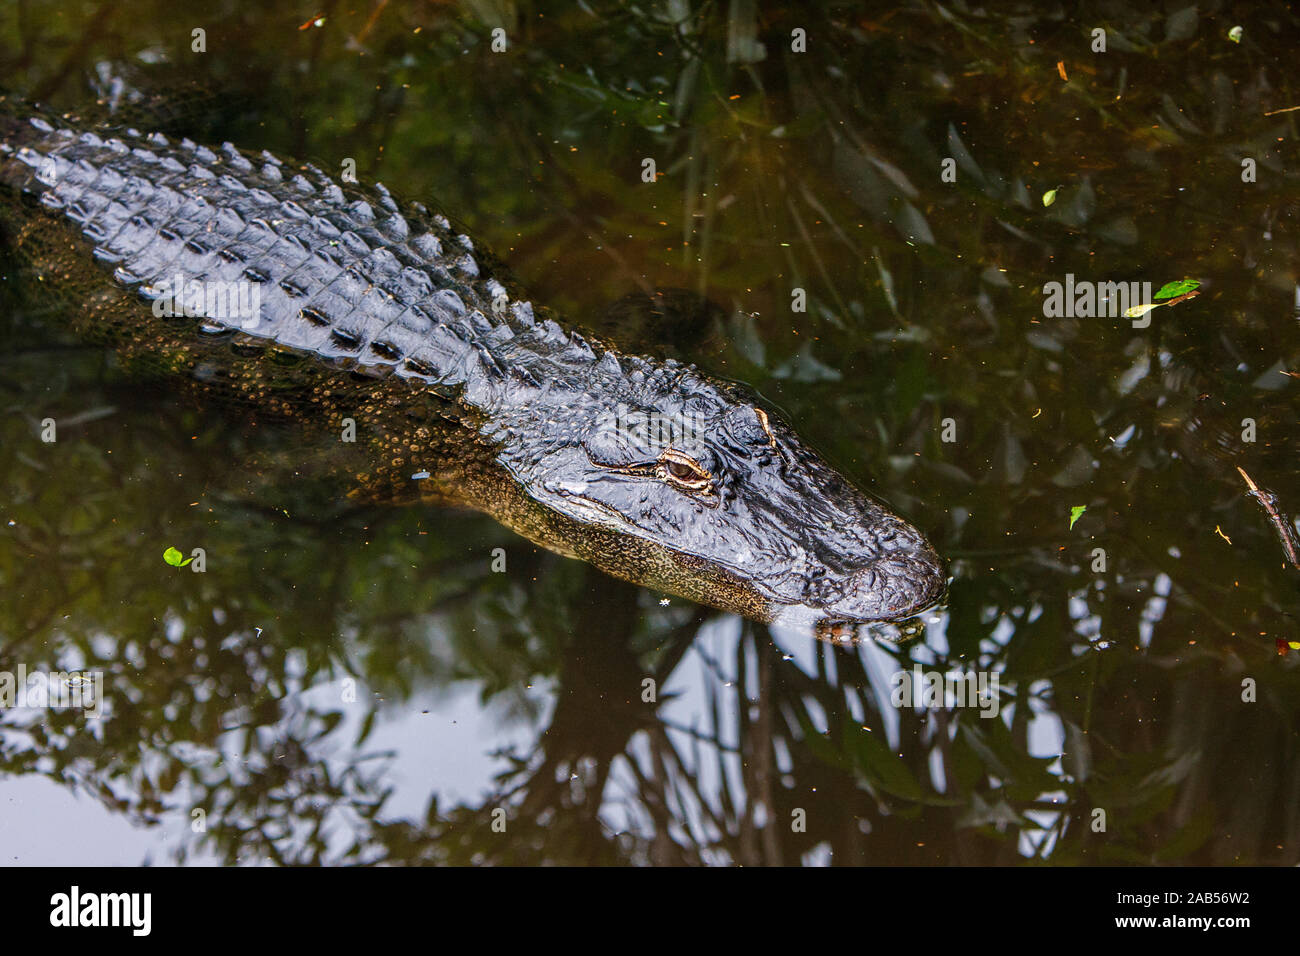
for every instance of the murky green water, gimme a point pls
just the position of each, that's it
(358, 684)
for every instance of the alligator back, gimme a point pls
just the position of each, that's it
(341, 272)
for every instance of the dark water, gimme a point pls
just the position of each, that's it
(348, 683)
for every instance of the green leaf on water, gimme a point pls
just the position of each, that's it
(1179, 287)
(175, 558)
(1076, 513)
(1235, 34)
(1049, 197)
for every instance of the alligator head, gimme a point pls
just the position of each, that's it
(659, 474)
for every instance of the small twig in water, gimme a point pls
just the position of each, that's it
(1268, 501)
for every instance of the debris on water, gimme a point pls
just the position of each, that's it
(1281, 522)
(1179, 287)
(1176, 291)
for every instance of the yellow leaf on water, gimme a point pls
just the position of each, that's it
(1138, 311)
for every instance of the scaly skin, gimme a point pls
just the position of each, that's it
(380, 312)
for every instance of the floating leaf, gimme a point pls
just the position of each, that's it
(175, 558)
(1178, 287)
(1138, 311)
(1049, 197)
(1235, 34)
(1076, 513)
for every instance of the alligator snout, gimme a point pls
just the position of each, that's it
(891, 587)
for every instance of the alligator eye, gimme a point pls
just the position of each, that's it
(683, 471)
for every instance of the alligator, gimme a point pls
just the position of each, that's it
(333, 305)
